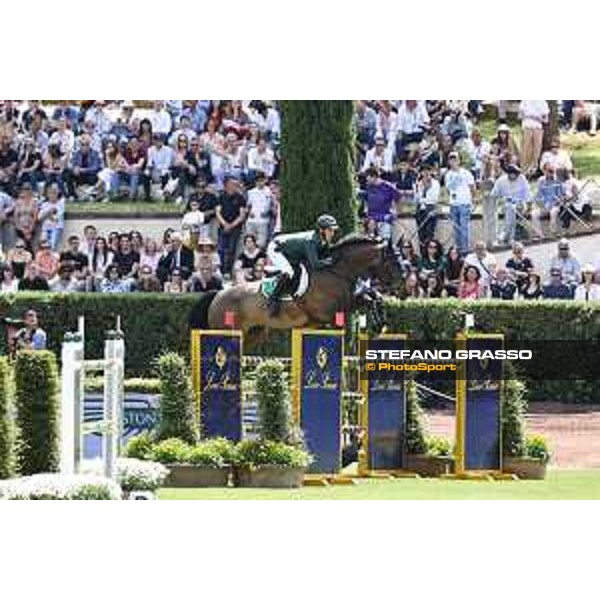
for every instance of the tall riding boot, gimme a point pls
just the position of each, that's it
(274, 301)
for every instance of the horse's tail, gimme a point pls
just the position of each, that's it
(198, 318)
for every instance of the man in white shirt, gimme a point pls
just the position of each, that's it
(409, 125)
(160, 119)
(260, 210)
(427, 197)
(534, 114)
(461, 187)
(479, 151)
(64, 138)
(261, 158)
(380, 157)
(158, 164)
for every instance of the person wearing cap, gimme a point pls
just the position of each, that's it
(549, 197)
(159, 161)
(587, 289)
(566, 263)
(288, 251)
(512, 188)
(460, 184)
(379, 156)
(555, 289)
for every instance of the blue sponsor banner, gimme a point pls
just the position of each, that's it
(384, 417)
(482, 418)
(140, 414)
(219, 381)
(318, 358)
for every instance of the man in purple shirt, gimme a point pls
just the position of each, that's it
(379, 201)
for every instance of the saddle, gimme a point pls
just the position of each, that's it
(297, 286)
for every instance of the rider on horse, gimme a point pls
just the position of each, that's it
(287, 251)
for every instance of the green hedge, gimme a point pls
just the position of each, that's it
(6, 421)
(38, 412)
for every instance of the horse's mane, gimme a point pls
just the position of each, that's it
(353, 239)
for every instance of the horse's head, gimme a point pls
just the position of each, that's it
(362, 256)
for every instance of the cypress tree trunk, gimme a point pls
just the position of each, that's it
(551, 130)
(317, 175)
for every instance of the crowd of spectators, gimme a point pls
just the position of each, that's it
(220, 160)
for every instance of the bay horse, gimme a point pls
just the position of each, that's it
(330, 290)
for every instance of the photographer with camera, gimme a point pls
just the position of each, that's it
(31, 336)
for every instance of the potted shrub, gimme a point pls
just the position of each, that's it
(206, 464)
(134, 475)
(140, 446)
(266, 463)
(533, 463)
(428, 457)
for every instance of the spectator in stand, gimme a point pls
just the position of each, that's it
(243, 268)
(567, 264)
(64, 282)
(406, 182)
(18, 258)
(9, 162)
(513, 189)
(453, 271)
(556, 158)
(207, 254)
(587, 290)
(501, 287)
(261, 159)
(461, 187)
(205, 279)
(412, 287)
(52, 216)
(199, 159)
(231, 212)
(260, 211)
(86, 166)
(101, 258)
(576, 205)
(478, 151)
(127, 259)
(25, 216)
(380, 157)
(108, 177)
(147, 280)
(30, 164)
(182, 170)
(192, 222)
(380, 198)
(90, 233)
(178, 258)
(183, 130)
(519, 266)
(160, 119)
(113, 282)
(532, 290)
(158, 165)
(31, 336)
(427, 200)
(64, 138)
(432, 261)
(470, 288)
(433, 287)
(47, 261)
(6, 229)
(55, 167)
(132, 166)
(33, 281)
(534, 115)
(73, 256)
(484, 261)
(366, 124)
(8, 282)
(175, 283)
(549, 198)
(503, 152)
(150, 255)
(407, 257)
(207, 204)
(410, 124)
(585, 110)
(555, 289)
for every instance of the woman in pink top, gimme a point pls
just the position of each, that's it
(470, 288)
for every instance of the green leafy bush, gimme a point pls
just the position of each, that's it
(215, 453)
(7, 456)
(177, 413)
(274, 401)
(139, 385)
(255, 453)
(140, 446)
(37, 402)
(439, 447)
(537, 447)
(514, 406)
(415, 429)
(173, 451)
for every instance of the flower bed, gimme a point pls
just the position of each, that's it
(53, 486)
